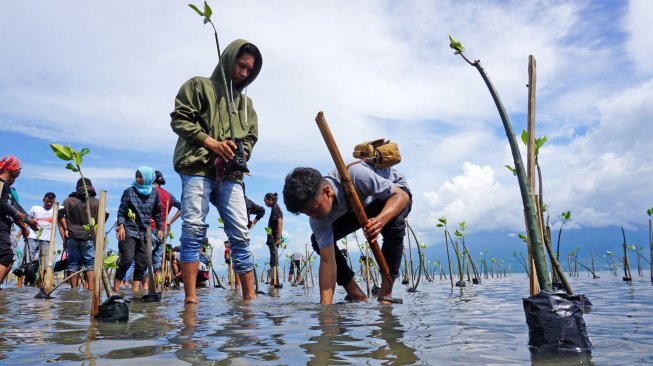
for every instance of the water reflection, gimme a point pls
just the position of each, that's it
(392, 332)
(478, 325)
(332, 342)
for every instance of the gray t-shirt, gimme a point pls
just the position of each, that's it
(370, 184)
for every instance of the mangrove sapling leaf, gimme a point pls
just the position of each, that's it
(71, 167)
(456, 45)
(268, 230)
(564, 216)
(514, 172)
(530, 209)
(62, 152)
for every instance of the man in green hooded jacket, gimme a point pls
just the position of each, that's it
(205, 148)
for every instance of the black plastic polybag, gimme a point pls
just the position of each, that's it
(555, 323)
(114, 310)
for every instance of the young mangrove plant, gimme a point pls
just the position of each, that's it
(564, 217)
(421, 266)
(638, 251)
(462, 233)
(115, 308)
(442, 222)
(530, 210)
(609, 260)
(627, 275)
(541, 308)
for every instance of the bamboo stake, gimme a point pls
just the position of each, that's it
(48, 281)
(350, 191)
(98, 265)
(164, 267)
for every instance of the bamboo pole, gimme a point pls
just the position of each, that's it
(48, 281)
(164, 266)
(350, 191)
(446, 244)
(650, 239)
(98, 265)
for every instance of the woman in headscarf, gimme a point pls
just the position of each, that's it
(10, 212)
(139, 203)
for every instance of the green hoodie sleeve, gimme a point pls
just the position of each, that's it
(252, 133)
(186, 116)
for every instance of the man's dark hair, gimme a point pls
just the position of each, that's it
(301, 185)
(249, 49)
(50, 195)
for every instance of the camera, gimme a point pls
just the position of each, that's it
(238, 163)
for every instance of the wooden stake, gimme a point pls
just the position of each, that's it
(48, 282)
(350, 191)
(98, 265)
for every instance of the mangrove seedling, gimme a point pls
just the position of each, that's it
(442, 222)
(530, 209)
(564, 217)
(627, 276)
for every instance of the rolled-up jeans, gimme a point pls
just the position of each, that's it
(157, 252)
(229, 198)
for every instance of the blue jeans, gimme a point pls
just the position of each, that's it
(157, 252)
(38, 246)
(229, 198)
(80, 252)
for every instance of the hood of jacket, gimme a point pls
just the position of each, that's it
(228, 60)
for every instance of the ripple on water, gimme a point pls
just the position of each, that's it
(436, 325)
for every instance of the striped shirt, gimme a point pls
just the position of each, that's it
(145, 207)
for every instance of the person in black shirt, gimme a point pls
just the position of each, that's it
(10, 213)
(253, 209)
(275, 223)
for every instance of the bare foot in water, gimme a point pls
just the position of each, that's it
(354, 292)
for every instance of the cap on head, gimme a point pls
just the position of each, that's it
(80, 185)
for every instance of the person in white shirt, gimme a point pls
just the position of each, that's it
(39, 241)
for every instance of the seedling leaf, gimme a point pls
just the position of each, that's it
(456, 45)
(207, 10)
(196, 9)
(70, 166)
(62, 152)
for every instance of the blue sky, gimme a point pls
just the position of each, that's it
(104, 76)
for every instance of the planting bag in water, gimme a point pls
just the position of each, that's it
(115, 309)
(555, 323)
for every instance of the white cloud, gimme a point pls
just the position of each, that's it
(105, 74)
(639, 43)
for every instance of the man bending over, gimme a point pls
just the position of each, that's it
(384, 193)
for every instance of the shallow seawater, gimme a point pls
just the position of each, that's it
(478, 325)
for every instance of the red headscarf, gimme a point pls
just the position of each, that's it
(10, 163)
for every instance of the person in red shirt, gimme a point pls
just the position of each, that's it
(168, 201)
